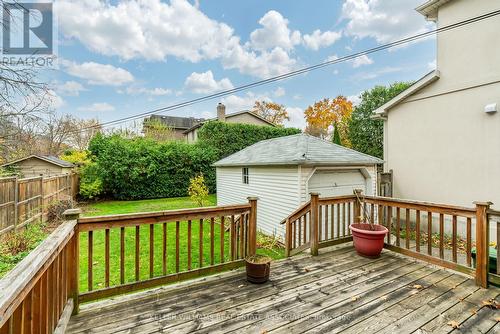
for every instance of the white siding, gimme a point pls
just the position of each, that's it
(276, 187)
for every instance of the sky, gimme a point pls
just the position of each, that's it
(120, 58)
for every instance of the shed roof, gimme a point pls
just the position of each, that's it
(300, 149)
(48, 158)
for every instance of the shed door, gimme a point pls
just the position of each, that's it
(336, 183)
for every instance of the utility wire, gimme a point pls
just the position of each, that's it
(298, 72)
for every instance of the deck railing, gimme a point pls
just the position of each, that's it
(494, 249)
(45, 288)
(38, 294)
(445, 235)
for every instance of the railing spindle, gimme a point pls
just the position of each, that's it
(89, 259)
(429, 233)
(106, 257)
(469, 242)
(200, 250)
(454, 239)
(343, 220)
(299, 222)
(242, 233)
(122, 255)
(320, 220)
(372, 213)
(338, 220)
(417, 231)
(498, 248)
(348, 218)
(177, 235)
(189, 245)
(164, 249)
(389, 224)
(137, 252)
(332, 221)
(407, 226)
(398, 225)
(232, 235)
(326, 222)
(212, 240)
(441, 236)
(222, 239)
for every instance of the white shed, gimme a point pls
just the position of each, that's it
(282, 172)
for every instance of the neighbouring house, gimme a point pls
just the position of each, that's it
(187, 127)
(36, 165)
(282, 172)
(442, 135)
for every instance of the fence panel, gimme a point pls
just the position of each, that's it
(23, 201)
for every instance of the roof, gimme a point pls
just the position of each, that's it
(429, 9)
(48, 158)
(420, 84)
(176, 122)
(229, 116)
(299, 149)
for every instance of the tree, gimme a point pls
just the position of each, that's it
(198, 190)
(322, 116)
(365, 133)
(336, 135)
(272, 112)
(158, 131)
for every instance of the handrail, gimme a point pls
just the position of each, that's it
(52, 257)
(298, 212)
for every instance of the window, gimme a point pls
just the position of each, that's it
(244, 173)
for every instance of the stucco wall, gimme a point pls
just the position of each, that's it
(246, 118)
(440, 144)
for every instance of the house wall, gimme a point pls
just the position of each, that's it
(276, 188)
(36, 167)
(439, 143)
(245, 118)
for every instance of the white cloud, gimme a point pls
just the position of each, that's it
(385, 21)
(53, 100)
(355, 99)
(97, 107)
(244, 102)
(146, 91)
(280, 91)
(376, 73)
(70, 88)
(332, 58)
(274, 33)
(362, 61)
(205, 83)
(297, 119)
(320, 39)
(154, 30)
(98, 74)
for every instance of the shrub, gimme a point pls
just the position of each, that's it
(56, 209)
(23, 240)
(198, 190)
(142, 168)
(228, 138)
(91, 185)
(78, 158)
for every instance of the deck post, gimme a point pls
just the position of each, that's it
(73, 262)
(252, 226)
(314, 224)
(357, 206)
(482, 243)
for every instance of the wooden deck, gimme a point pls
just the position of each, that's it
(337, 291)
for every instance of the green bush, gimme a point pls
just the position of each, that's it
(91, 185)
(141, 168)
(228, 138)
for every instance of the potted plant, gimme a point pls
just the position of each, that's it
(258, 268)
(367, 237)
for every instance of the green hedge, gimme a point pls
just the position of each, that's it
(228, 138)
(141, 168)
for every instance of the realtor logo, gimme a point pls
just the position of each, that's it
(27, 28)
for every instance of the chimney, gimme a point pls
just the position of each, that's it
(221, 112)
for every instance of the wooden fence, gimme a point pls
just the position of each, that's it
(26, 200)
(417, 229)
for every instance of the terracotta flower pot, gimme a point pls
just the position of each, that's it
(367, 241)
(258, 268)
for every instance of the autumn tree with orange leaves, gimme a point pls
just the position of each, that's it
(272, 112)
(323, 116)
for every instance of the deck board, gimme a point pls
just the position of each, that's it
(337, 291)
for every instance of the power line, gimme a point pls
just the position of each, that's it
(287, 75)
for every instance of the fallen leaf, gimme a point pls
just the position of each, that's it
(263, 332)
(473, 312)
(453, 324)
(354, 299)
(307, 270)
(384, 298)
(417, 286)
(240, 286)
(491, 303)
(497, 319)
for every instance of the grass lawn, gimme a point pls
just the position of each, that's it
(119, 207)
